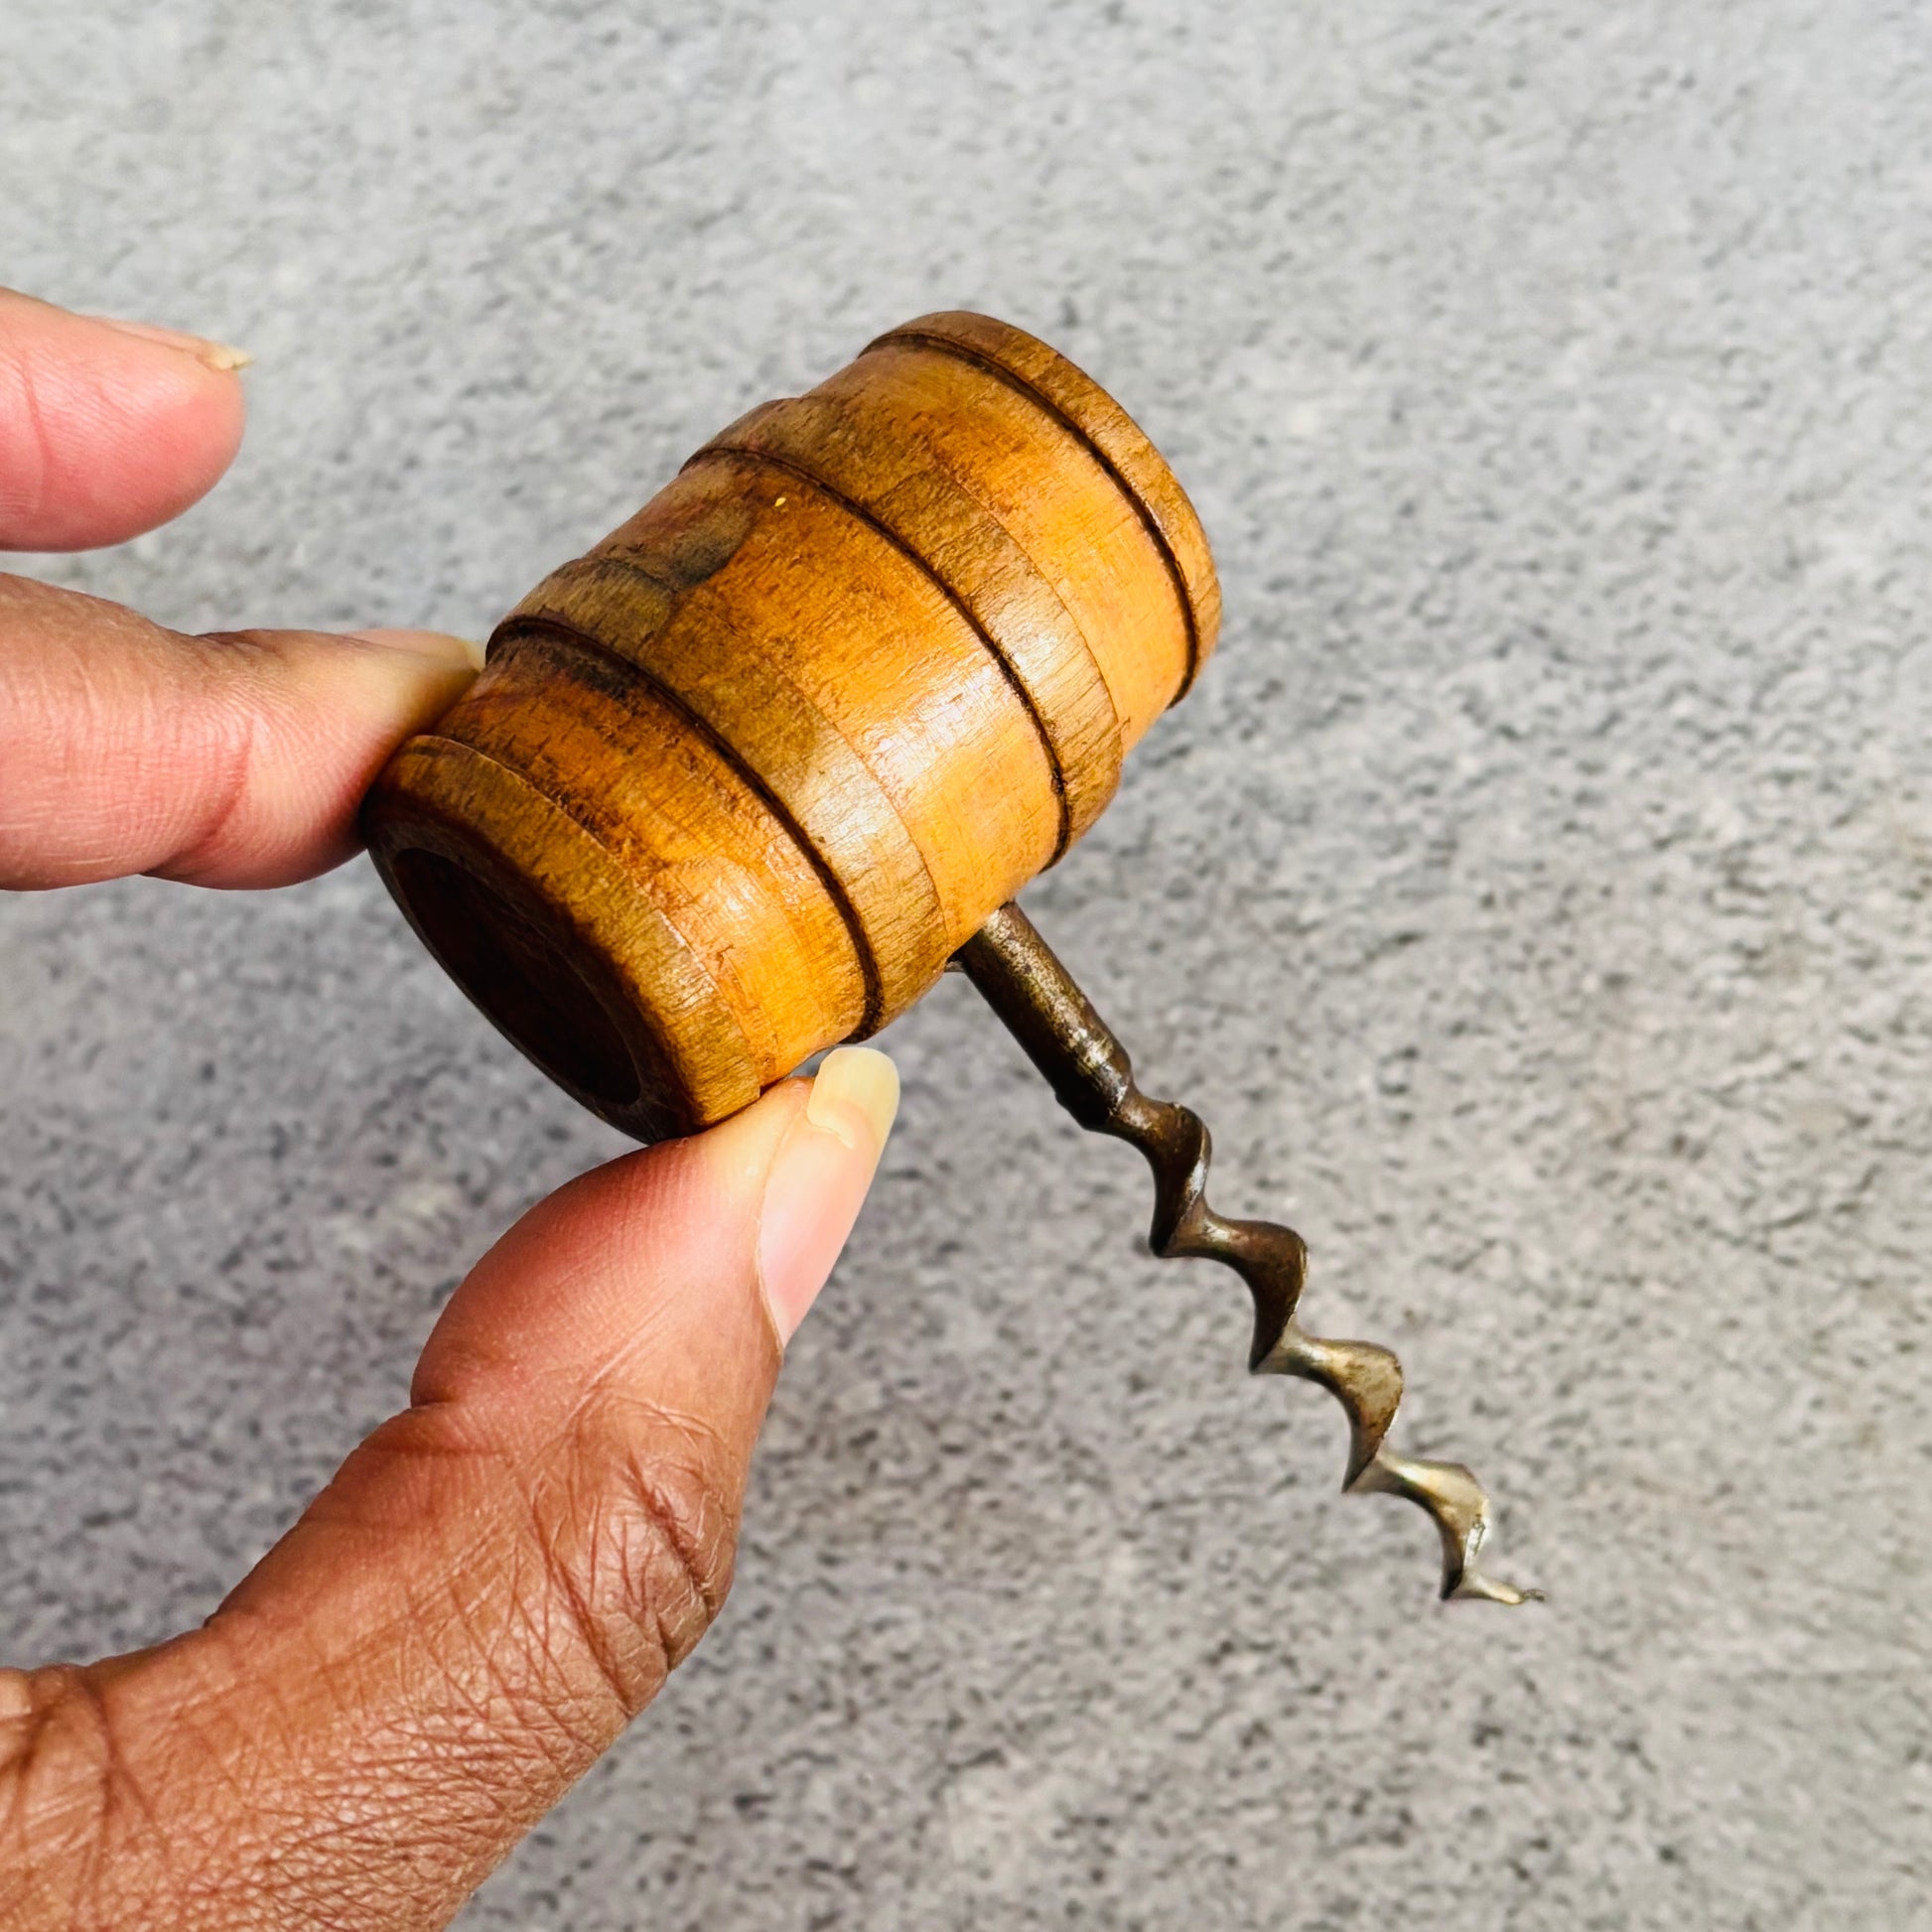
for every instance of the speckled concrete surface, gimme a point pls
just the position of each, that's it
(1536, 897)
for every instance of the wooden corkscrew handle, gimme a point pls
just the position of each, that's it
(739, 783)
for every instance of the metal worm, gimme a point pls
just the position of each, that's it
(1037, 1000)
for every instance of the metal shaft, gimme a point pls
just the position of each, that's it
(1039, 1003)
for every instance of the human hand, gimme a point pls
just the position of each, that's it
(503, 1573)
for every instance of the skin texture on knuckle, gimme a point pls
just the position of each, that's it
(125, 743)
(94, 1833)
(639, 1534)
(56, 1791)
(554, 1584)
(78, 1848)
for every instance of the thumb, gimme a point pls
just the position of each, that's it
(493, 1585)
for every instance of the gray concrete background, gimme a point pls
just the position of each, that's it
(1536, 897)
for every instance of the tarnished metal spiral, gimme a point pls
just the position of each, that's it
(1089, 1071)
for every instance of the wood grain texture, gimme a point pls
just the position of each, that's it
(738, 782)
(1114, 437)
(547, 930)
(682, 821)
(1057, 499)
(879, 460)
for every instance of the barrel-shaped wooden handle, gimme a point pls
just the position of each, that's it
(736, 784)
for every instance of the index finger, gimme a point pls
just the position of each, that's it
(106, 428)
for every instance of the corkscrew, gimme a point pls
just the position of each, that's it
(746, 778)
(1039, 1003)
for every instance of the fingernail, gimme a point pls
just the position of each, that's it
(819, 1178)
(220, 356)
(461, 653)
